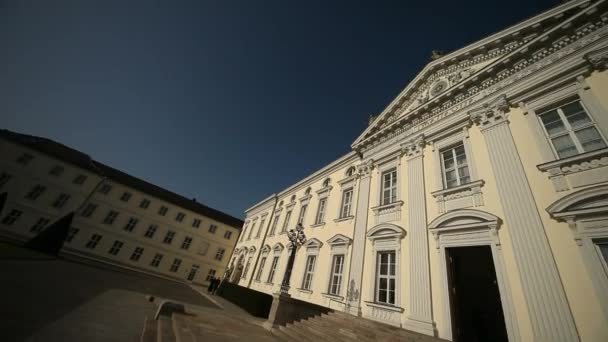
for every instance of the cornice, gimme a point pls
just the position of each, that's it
(499, 74)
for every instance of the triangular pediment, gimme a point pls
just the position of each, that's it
(444, 82)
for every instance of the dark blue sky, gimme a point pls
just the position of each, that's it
(224, 101)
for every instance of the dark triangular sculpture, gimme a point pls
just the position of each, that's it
(51, 239)
(3, 197)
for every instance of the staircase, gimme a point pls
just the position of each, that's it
(342, 327)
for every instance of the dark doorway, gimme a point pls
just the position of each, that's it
(475, 303)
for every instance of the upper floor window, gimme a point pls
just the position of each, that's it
(163, 211)
(156, 260)
(227, 235)
(35, 192)
(72, 234)
(92, 243)
(260, 227)
(326, 182)
(175, 266)
(347, 199)
(79, 179)
(273, 228)
(116, 247)
(151, 231)
(145, 203)
(137, 252)
(196, 223)
(180, 217)
(307, 192)
(302, 214)
(61, 201)
(220, 254)
(105, 188)
(571, 130)
(88, 210)
(4, 178)
(286, 222)
(110, 217)
(212, 228)
(57, 170)
(210, 275)
(455, 166)
(39, 225)
(169, 237)
(25, 158)
(250, 230)
(350, 171)
(12, 217)
(187, 242)
(321, 211)
(131, 224)
(389, 187)
(125, 196)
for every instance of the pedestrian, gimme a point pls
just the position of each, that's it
(210, 287)
(218, 282)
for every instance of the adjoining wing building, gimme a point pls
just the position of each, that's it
(478, 199)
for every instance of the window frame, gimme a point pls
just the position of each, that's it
(393, 189)
(333, 275)
(309, 270)
(344, 204)
(452, 148)
(378, 277)
(321, 211)
(273, 269)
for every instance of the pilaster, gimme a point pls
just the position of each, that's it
(420, 317)
(358, 253)
(548, 308)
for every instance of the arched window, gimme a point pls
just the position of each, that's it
(307, 192)
(293, 198)
(326, 182)
(350, 171)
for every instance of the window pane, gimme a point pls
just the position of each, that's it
(448, 160)
(604, 250)
(383, 269)
(450, 175)
(382, 296)
(553, 123)
(392, 269)
(383, 284)
(590, 139)
(564, 146)
(575, 114)
(391, 297)
(391, 285)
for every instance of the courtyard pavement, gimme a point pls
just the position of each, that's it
(63, 300)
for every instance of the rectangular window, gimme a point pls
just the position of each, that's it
(335, 280)
(389, 187)
(243, 233)
(57, 170)
(35, 192)
(39, 225)
(286, 222)
(187, 242)
(4, 178)
(273, 269)
(25, 159)
(131, 224)
(175, 265)
(11, 217)
(455, 166)
(112, 215)
(116, 247)
(210, 275)
(169, 237)
(227, 235)
(212, 229)
(321, 211)
(180, 217)
(105, 189)
(151, 231)
(260, 227)
(163, 211)
(308, 272)
(273, 228)
(95, 238)
(220, 254)
(302, 214)
(258, 275)
(79, 179)
(251, 230)
(196, 223)
(61, 201)
(145, 203)
(246, 268)
(137, 252)
(72, 234)
(347, 199)
(385, 277)
(126, 196)
(88, 210)
(571, 130)
(156, 260)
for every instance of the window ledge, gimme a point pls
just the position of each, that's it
(384, 306)
(333, 296)
(347, 179)
(346, 218)
(568, 165)
(577, 171)
(304, 290)
(468, 186)
(317, 225)
(387, 206)
(267, 283)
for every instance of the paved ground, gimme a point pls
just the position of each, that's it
(59, 300)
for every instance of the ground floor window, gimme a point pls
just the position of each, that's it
(258, 276)
(210, 275)
(601, 246)
(385, 277)
(273, 269)
(335, 281)
(308, 272)
(246, 268)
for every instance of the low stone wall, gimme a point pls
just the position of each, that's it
(256, 303)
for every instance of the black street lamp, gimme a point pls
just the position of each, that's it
(296, 238)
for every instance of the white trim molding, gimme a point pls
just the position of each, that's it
(586, 212)
(470, 227)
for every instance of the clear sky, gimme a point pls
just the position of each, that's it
(224, 101)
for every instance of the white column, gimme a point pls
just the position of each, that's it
(353, 294)
(550, 314)
(420, 316)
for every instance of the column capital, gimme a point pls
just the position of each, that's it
(414, 148)
(598, 59)
(491, 113)
(365, 169)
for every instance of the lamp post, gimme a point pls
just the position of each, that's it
(296, 238)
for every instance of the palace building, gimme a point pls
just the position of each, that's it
(119, 219)
(475, 206)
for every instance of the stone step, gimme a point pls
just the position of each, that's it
(297, 329)
(149, 332)
(280, 335)
(294, 335)
(338, 332)
(370, 330)
(165, 329)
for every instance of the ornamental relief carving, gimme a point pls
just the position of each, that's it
(577, 171)
(494, 82)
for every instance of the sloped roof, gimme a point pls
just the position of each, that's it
(82, 160)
